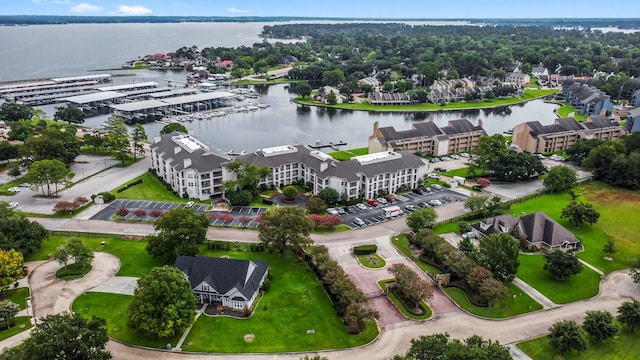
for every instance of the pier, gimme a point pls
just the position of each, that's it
(320, 145)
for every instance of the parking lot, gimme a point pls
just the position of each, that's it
(371, 215)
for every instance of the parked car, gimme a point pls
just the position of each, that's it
(418, 191)
(372, 202)
(455, 157)
(358, 222)
(423, 204)
(465, 155)
(390, 198)
(470, 235)
(382, 201)
(14, 189)
(340, 211)
(540, 156)
(445, 158)
(435, 202)
(434, 176)
(411, 208)
(350, 210)
(440, 169)
(332, 211)
(13, 204)
(25, 185)
(436, 187)
(190, 204)
(434, 160)
(361, 206)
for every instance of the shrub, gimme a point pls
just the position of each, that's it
(64, 206)
(290, 193)
(365, 249)
(245, 220)
(211, 216)
(140, 212)
(156, 213)
(446, 185)
(267, 201)
(107, 196)
(81, 199)
(226, 218)
(122, 212)
(133, 183)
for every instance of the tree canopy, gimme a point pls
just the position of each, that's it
(284, 227)
(11, 263)
(578, 213)
(45, 173)
(117, 139)
(67, 336)
(421, 218)
(174, 126)
(138, 137)
(248, 176)
(21, 234)
(629, 314)
(440, 346)
(70, 114)
(179, 232)
(567, 335)
(599, 325)
(562, 265)
(560, 178)
(410, 285)
(499, 254)
(52, 144)
(12, 111)
(163, 304)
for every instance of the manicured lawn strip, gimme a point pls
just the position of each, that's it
(565, 109)
(22, 323)
(529, 94)
(72, 272)
(400, 306)
(462, 172)
(134, 260)
(449, 227)
(348, 154)
(294, 303)
(625, 346)
(377, 264)
(324, 230)
(151, 189)
(18, 296)
(402, 245)
(578, 287)
(616, 207)
(113, 308)
(516, 303)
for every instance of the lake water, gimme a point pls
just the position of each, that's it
(70, 50)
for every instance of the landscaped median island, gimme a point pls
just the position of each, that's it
(422, 313)
(518, 302)
(366, 255)
(529, 94)
(294, 314)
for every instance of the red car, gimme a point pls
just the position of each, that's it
(372, 202)
(389, 198)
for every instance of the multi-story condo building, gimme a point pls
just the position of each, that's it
(534, 137)
(427, 138)
(586, 99)
(192, 167)
(189, 165)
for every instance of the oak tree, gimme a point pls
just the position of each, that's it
(599, 325)
(567, 335)
(562, 265)
(179, 232)
(284, 227)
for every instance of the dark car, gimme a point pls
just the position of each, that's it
(418, 191)
(439, 169)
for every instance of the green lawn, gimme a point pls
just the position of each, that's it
(529, 94)
(18, 296)
(578, 287)
(402, 245)
(462, 172)
(113, 308)
(400, 306)
(21, 323)
(72, 272)
(348, 154)
(625, 346)
(516, 303)
(617, 208)
(151, 189)
(135, 261)
(294, 304)
(448, 227)
(372, 261)
(565, 109)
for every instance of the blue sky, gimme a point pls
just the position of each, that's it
(329, 8)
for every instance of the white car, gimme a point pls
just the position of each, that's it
(382, 201)
(455, 157)
(465, 155)
(190, 204)
(434, 176)
(361, 206)
(14, 189)
(359, 222)
(13, 205)
(332, 211)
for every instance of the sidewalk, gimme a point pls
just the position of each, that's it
(535, 294)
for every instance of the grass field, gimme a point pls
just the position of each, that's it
(18, 296)
(625, 346)
(578, 287)
(348, 154)
(400, 306)
(372, 261)
(22, 323)
(151, 188)
(516, 303)
(294, 304)
(447, 227)
(529, 94)
(566, 109)
(462, 172)
(617, 207)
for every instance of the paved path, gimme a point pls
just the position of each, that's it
(535, 294)
(124, 285)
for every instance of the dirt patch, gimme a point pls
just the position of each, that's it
(610, 195)
(249, 338)
(221, 206)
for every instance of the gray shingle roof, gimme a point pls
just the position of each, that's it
(223, 274)
(538, 227)
(202, 160)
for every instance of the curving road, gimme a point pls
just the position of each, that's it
(50, 295)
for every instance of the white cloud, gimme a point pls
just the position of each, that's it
(63, 2)
(38, 1)
(133, 10)
(84, 8)
(234, 10)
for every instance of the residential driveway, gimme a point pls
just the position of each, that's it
(124, 285)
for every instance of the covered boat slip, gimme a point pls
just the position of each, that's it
(171, 105)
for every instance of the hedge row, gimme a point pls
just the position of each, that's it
(365, 249)
(133, 183)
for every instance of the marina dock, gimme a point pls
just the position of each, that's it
(320, 145)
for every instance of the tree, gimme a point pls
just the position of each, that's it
(499, 254)
(315, 205)
(11, 263)
(476, 276)
(80, 252)
(333, 77)
(332, 99)
(283, 227)
(174, 126)
(8, 311)
(579, 213)
(21, 234)
(290, 193)
(117, 139)
(69, 113)
(567, 335)
(560, 178)
(52, 144)
(466, 246)
(138, 136)
(163, 304)
(609, 248)
(581, 149)
(438, 346)
(67, 336)
(476, 202)
(629, 314)
(260, 67)
(492, 290)
(247, 176)
(359, 311)
(410, 284)
(483, 182)
(122, 212)
(599, 325)
(140, 213)
(329, 195)
(421, 218)
(303, 89)
(179, 232)
(20, 130)
(45, 173)
(562, 265)
(12, 111)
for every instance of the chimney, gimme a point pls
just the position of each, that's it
(177, 149)
(480, 123)
(323, 166)
(187, 162)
